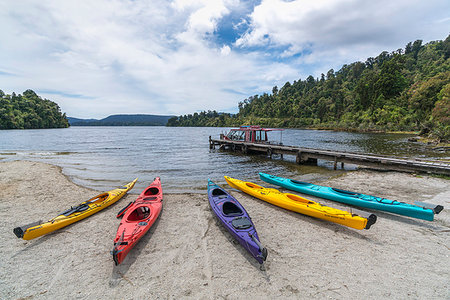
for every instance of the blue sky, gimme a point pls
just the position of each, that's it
(103, 57)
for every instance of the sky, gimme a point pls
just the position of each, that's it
(103, 57)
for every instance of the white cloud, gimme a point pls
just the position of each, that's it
(101, 57)
(225, 50)
(343, 30)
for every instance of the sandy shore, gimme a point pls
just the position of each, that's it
(187, 255)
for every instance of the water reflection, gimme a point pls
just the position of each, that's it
(105, 157)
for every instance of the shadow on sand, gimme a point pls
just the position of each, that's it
(119, 272)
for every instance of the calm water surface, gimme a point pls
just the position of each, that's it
(106, 157)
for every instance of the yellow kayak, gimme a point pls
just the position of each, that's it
(303, 206)
(74, 214)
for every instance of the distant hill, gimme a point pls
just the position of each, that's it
(403, 90)
(122, 120)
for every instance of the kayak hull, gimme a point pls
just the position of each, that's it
(304, 206)
(137, 220)
(74, 214)
(236, 220)
(352, 198)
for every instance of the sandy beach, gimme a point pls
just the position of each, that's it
(188, 255)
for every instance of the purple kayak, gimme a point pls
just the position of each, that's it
(236, 220)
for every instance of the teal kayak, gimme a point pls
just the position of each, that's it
(420, 210)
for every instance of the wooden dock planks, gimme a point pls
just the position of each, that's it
(310, 156)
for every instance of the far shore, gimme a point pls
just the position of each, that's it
(189, 255)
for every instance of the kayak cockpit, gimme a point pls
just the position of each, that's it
(98, 198)
(218, 193)
(298, 199)
(140, 213)
(254, 186)
(299, 182)
(230, 209)
(151, 191)
(344, 192)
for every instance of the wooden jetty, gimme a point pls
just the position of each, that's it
(310, 156)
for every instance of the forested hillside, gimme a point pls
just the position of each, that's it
(406, 89)
(29, 111)
(122, 120)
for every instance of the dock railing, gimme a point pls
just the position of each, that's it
(311, 156)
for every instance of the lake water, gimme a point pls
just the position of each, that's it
(107, 157)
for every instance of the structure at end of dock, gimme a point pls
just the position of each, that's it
(253, 139)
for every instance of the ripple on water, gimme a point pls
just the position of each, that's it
(107, 157)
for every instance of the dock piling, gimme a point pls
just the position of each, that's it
(311, 156)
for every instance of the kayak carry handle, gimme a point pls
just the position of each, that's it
(115, 250)
(19, 231)
(434, 207)
(123, 210)
(261, 248)
(371, 218)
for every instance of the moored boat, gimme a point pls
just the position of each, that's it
(236, 220)
(304, 206)
(421, 210)
(137, 218)
(73, 214)
(251, 134)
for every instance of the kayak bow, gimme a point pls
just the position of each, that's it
(73, 214)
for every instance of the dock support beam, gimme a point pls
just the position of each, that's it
(300, 159)
(211, 144)
(310, 156)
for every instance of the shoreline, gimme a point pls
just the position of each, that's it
(187, 254)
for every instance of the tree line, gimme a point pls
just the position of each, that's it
(29, 111)
(403, 90)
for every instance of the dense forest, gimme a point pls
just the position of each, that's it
(29, 111)
(404, 90)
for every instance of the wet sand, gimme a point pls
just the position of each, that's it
(188, 255)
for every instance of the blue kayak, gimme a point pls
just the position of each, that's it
(236, 220)
(421, 210)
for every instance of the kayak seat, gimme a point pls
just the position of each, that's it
(230, 209)
(241, 223)
(139, 213)
(150, 198)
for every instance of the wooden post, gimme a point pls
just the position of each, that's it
(244, 149)
(211, 144)
(298, 159)
(342, 165)
(335, 163)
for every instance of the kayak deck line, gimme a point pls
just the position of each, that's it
(236, 220)
(311, 156)
(137, 217)
(73, 214)
(305, 207)
(419, 210)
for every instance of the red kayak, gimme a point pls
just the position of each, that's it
(137, 218)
